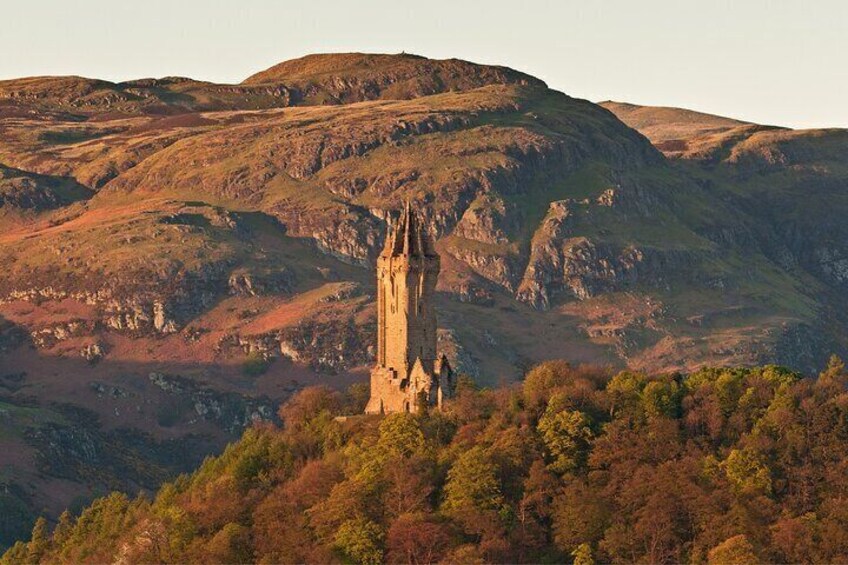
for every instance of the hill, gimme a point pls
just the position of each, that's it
(180, 256)
(722, 466)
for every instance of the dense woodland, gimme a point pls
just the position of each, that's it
(735, 465)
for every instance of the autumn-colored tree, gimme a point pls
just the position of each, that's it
(40, 541)
(582, 555)
(733, 551)
(408, 486)
(231, 544)
(417, 539)
(579, 516)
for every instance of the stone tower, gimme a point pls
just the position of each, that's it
(408, 371)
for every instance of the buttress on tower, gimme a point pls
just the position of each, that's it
(408, 374)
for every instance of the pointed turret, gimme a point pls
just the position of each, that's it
(408, 236)
(408, 230)
(389, 246)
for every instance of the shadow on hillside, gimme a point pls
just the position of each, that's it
(72, 430)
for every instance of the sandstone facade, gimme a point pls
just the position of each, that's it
(409, 374)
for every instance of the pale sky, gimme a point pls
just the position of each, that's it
(783, 63)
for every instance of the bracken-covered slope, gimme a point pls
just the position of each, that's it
(180, 256)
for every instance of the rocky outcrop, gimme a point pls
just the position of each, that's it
(579, 267)
(93, 352)
(326, 346)
(471, 293)
(461, 360)
(487, 221)
(53, 334)
(244, 282)
(232, 412)
(492, 264)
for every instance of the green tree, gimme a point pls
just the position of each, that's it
(661, 398)
(473, 493)
(361, 541)
(542, 380)
(624, 391)
(401, 435)
(566, 435)
(231, 544)
(583, 555)
(834, 377)
(748, 471)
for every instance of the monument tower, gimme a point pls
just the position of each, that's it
(408, 374)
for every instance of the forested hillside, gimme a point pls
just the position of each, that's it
(733, 465)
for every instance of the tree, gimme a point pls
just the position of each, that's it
(733, 551)
(583, 555)
(566, 435)
(661, 398)
(400, 435)
(748, 471)
(417, 538)
(308, 404)
(231, 544)
(834, 378)
(579, 516)
(361, 541)
(408, 485)
(63, 529)
(40, 541)
(624, 391)
(356, 397)
(280, 528)
(473, 493)
(542, 380)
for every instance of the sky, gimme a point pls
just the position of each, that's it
(771, 62)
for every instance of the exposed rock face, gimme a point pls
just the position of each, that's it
(494, 265)
(231, 411)
(51, 335)
(487, 222)
(327, 347)
(474, 294)
(93, 352)
(461, 360)
(244, 283)
(579, 267)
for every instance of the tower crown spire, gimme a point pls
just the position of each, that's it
(408, 237)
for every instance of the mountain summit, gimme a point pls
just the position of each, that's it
(354, 77)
